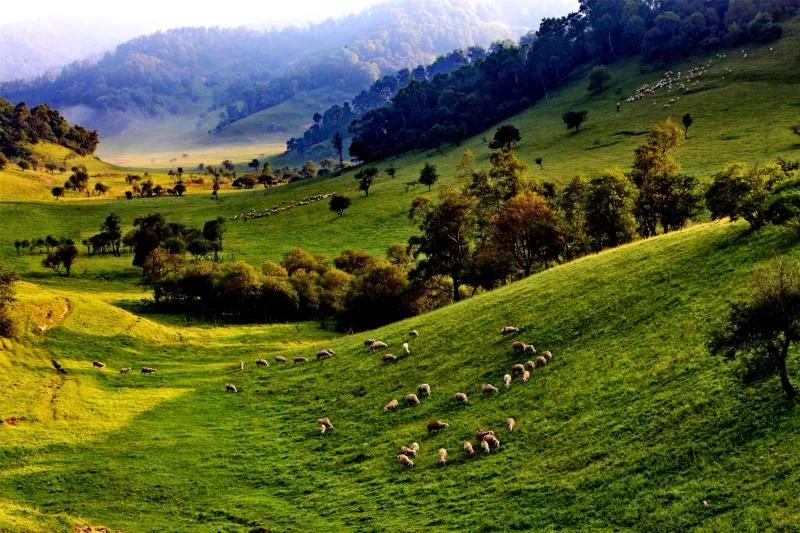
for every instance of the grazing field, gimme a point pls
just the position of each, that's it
(631, 425)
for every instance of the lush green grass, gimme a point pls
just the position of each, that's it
(632, 425)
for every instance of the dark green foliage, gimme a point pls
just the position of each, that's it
(609, 210)
(428, 175)
(20, 124)
(761, 329)
(338, 204)
(8, 326)
(505, 138)
(687, 123)
(598, 78)
(63, 256)
(57, 192)
(745, 192)
(365, 177)
(574, 119)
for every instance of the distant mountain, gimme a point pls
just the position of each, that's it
(239, 72)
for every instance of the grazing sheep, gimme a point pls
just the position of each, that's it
(261, 362)
(442, 456)
(491, 439)
(526, 376)
(408, 451)
(280, 359)
(541, 361)
(414, 446)
(547, 355)
(324, 354)
(330, 351)
(389, 358)
(530, 365)
(529, 348)
(391, 406)
(406, 349)
(518, 346)
(414, 333)
(481, 434)
(468, 449)
(98, 364)
(368, 343)
(510, 423)
(148, 370)
(424, 389)
(485, 447)
(461, 398)
(378, 345)
(300, 359)
(518, 369)
(412, 400)
(507, 380)
(230, 387)
(486, 388)
(241, 365)
(508, 330)
(125, 370)
(437, 425)
(326, 423)
(405, 461)
(322, 428)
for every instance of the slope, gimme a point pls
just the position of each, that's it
(631, 426)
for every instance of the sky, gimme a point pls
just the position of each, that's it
(163, 14)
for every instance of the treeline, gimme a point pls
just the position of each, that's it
(21, 126)
(511, 77)
(337, 119)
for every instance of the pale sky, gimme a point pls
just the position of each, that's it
(163, 14)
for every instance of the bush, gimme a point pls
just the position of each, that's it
(9, 327)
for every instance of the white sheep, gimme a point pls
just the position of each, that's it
(481, 434)
(424, 389)
(508, 330)
(414, 333)
(280, 359)
(392, 405)
(529, 348)
(262, 362)
(368, 343)
(98, 364)
(414, 446)
(547, 355)
(125, 370)
(491, 439)
(324, 354)
(518, 346)
(406, 349)
(510, 423)
(412, 400)
(405, 461)
(300, 359)
(325, 422)
(486, 388)
(468, 449)
(241, 365)
(437, 425)
(507, 380)
(526, 376)
(485, 447)
(541, 361)
(518, 368)
(530, 365)
(461, 398)
(442, 456)
(378, 345)
(148, 370)
(389, 358)
(408, 451)
(230, 387)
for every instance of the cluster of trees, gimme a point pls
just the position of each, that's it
(61, 256)
(451, 106)
(8, 326)
(21, 126)
(78, 181)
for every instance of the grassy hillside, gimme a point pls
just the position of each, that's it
(632, 425)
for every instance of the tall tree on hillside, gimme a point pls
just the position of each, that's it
(687, 123)
(365, 178)
(254, 164)
(391, 171)
(428, 175)
(574, 119)
(213, 231)
(598, 78)
(505, 138)
(609, 210)
(760, 329)
(339, 203)
(62, 256)
(57, 192)
(338, 145)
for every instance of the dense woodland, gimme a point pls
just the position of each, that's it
(511, 77)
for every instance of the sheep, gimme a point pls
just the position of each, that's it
(148, 370)
(547, 355)
(508, 330)
(518, 346)
(481, 434)
(462, 398)
(368, 343)
(491, 439)
(406, 349)
(378, 345)
(408, 451)
(507, 380)
(530, 365)
(526, 376)
(412, 400)
(230, 387)
(424, 389)
(414, 446)
(468, 449)
(98, 364)
(413, 333)
(125, 370)
(241, 365)
(262, 362)
(485, 447)
(518, 369)
(324, 354)
(442, 456)
(405, 461)
(391, 406)
(389, 358)
(529, 348)
(326, 423)
(541, 361)
(322, 428)
(330, 351)
(437, 425)
(486, 388)
(280, 359)
(300, 359)
(510, 423)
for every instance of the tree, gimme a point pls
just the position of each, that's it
(505, 138)
(740, 191)
(179, 188)
(101, 188)
(228, 165)
(309, 170)
(428, 175)
(78, 180)
(574, 119)
(254, 164)
(62, 256)
(365, 178)
(8, 326)
(57, 192)
(24, 164)
(598, 78)
(526, 233)
(609, 210)
(761, 328)
(213, 231)
(391, 171)
(3, 162)
(338, 145)
(687, 123)
(339, 203)
(539, 161)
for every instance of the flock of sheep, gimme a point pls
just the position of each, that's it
(285, 206)
(126, 370)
